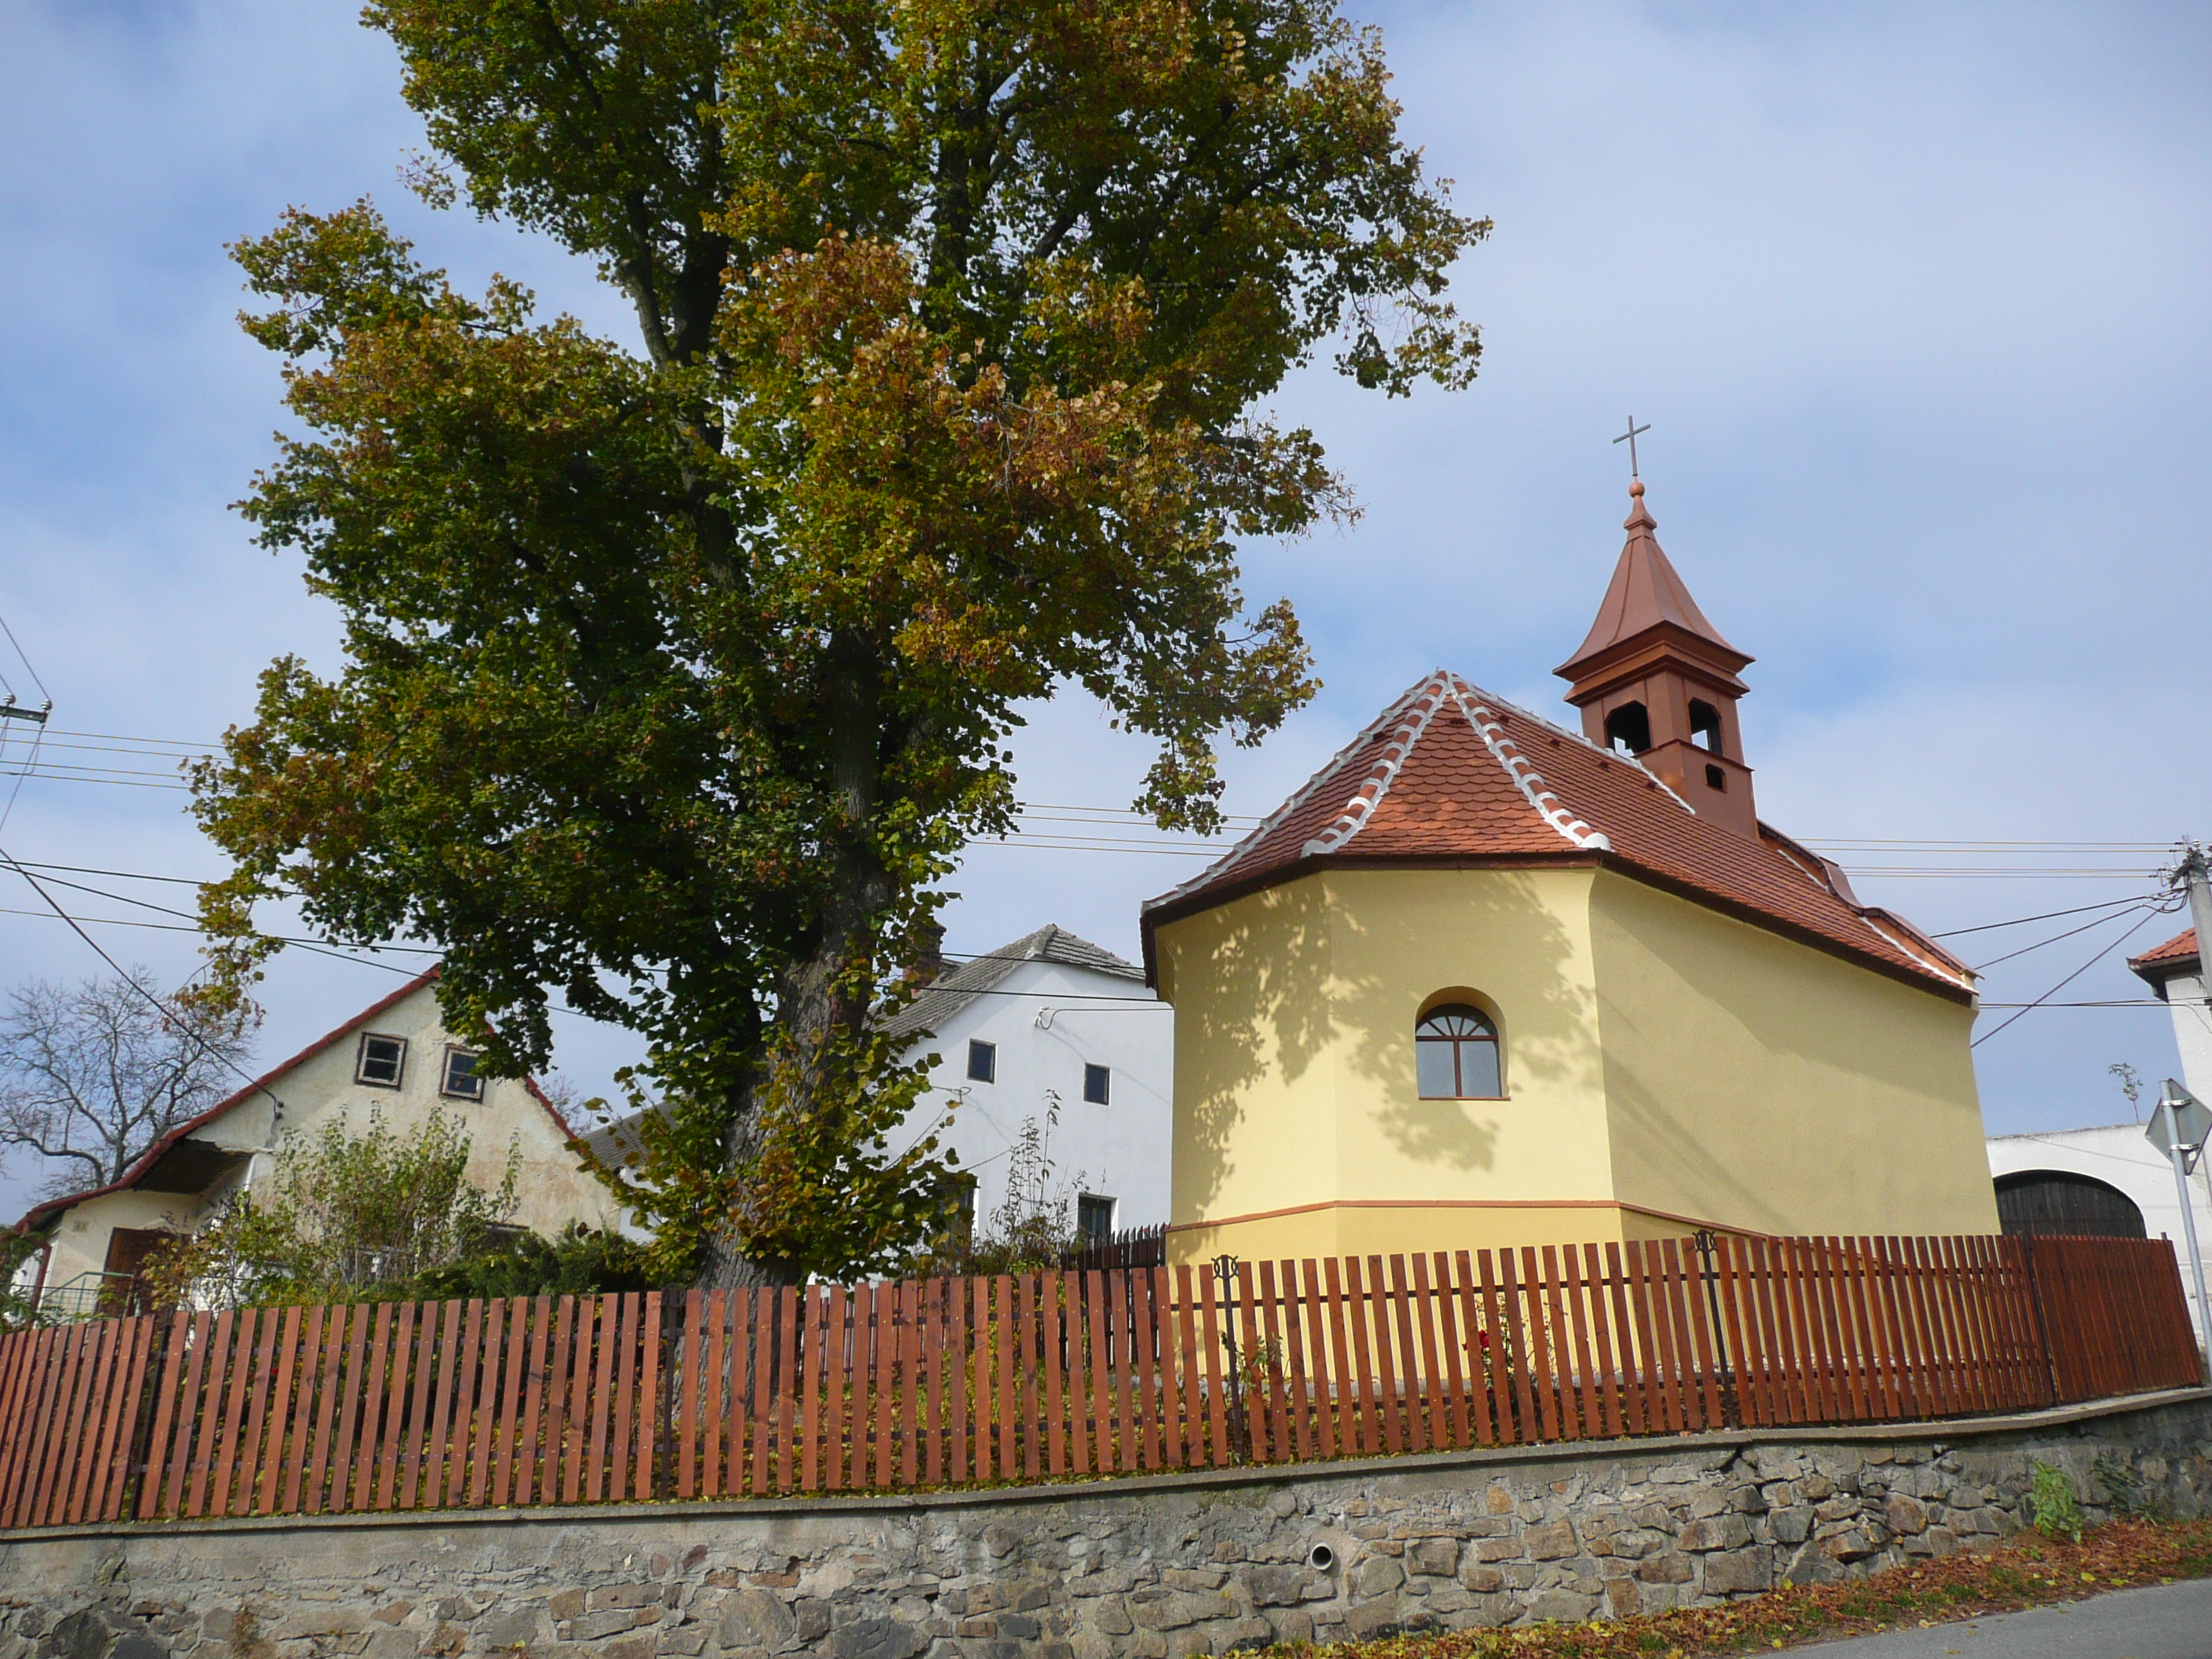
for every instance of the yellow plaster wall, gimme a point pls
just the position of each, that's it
(1761, 1084)
(1665, 1065)
(1294, 1063)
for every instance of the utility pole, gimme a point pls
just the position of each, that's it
(2194, 874)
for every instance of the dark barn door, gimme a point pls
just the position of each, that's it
(2052, 1203)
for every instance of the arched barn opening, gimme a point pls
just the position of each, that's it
(2047, 1203)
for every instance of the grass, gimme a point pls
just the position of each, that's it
(2027, 1570)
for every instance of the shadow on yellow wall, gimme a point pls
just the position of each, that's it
(1295, 1012)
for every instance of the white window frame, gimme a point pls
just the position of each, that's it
(1105, 1087)
(446, 1075)
(360, 1062)
(990, 1054)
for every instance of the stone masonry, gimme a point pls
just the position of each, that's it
(1148, 1568)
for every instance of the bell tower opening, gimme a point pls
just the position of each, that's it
(1655, 678)
(1628, 729)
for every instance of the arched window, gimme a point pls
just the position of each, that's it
(1628, 728)
(1455, 1054)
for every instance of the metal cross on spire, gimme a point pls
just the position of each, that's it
(1629, 438)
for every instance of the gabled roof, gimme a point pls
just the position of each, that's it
(957, 987)
(2163, 962)
(1451, 775)
(264, 1084)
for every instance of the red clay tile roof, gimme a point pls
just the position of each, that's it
(1450, 775)
(2177, 956)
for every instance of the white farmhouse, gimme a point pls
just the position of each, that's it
(395, 1059)
(1056, 1030)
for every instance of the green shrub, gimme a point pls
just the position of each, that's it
(2050, 1501)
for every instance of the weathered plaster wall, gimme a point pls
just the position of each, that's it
(1146, 1568)
(1049, 1019)
(550, 1190)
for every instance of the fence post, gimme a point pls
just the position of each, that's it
(1731, 1408)
(1226, 1269)
(2042, 1326)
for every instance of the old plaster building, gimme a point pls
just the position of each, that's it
(1485, 980)
(394, 1059)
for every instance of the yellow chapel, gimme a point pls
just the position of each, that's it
(1487, 980)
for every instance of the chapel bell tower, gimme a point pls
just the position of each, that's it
(1656, 679)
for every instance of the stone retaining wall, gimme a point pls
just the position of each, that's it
(1147, 1568)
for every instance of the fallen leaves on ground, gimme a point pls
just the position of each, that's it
(2027, 1570)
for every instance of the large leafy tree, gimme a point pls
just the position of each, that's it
(675, 676)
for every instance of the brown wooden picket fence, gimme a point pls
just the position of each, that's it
(952, 1382)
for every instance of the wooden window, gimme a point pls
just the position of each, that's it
(1455, 1054)
(1094, 1219)
(382, 1061)
(460, 1081)
(963, 1220)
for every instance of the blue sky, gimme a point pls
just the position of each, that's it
(1913, 297)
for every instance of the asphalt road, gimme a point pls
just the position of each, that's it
(2166, 1621)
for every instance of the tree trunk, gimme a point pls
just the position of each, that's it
(817, 1002)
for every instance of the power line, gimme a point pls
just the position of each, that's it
(25, 661)
(2047, 915)
(2093, 922)
(2102, 951)
(152, 1001)
(318, 946)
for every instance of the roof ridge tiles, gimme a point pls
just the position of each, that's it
(1619, 756)
(1267, 826)
(1524, 772)
(1428, 698)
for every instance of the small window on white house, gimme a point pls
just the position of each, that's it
(983, 1061)
(1094, 1219)
(381, 1062)
(1097, 1084)
(461, 1081)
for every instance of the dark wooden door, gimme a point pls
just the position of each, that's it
(2057, 1203)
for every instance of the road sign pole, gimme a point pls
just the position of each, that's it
(2173, 1107)
(2181, 1128)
